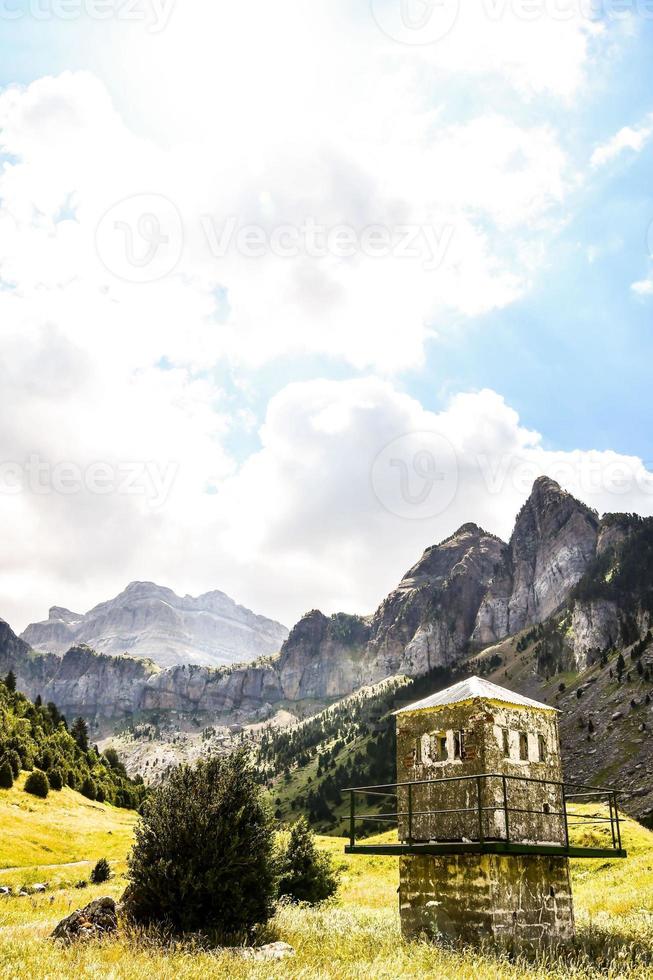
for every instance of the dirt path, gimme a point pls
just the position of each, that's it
(31, 867)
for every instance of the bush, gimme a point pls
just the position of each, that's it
(6, 776)
(101, 872)
(203, 854)
(305, 874)
(55, 779)
(37, 784)
(14, 760)
(89, 789)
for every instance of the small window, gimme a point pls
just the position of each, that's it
(541, 748)
(523, 746)
(443, 753)
(505, 742)
(417, 752)
(458, 745)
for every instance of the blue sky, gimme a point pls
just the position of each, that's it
(272, 384)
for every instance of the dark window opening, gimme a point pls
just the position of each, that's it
(444, 751)
(523, 746)
(505, 741)
(541, 748)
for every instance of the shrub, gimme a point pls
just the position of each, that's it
(14, 760)
(101, 872)
(55, 779)
(203, 853)
(305, 874)
(37, 784)
(6, 776)
(89, 789)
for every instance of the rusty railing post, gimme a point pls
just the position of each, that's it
(410, 813)
(614, 839)
(352, 818)
(505, 808)
(616, 816)
(564, 814)
(481, 836)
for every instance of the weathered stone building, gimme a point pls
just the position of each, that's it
(483, 837)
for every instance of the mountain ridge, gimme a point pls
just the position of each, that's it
(150, 621)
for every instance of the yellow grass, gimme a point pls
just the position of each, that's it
(357, 936)
(65, 830)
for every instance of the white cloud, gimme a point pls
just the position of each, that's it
(643, 287)
(73, 159)
(315, 517)
(632, 138)
(274, 114)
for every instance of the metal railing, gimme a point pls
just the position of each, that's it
(514, 797)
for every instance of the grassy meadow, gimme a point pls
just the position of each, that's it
(56, 841)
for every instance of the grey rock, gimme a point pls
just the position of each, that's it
(148, 621)
(271, 951)
(96, 919)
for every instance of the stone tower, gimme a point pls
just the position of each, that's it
(507, 747)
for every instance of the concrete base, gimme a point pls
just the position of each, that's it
(519, 900)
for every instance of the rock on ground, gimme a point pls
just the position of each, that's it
(96, 919)
(271, 951)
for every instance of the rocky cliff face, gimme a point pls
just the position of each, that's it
(467, 592)
(149, 621)
(551, 547)
(428, 619)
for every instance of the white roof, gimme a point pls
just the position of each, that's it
(471, 688)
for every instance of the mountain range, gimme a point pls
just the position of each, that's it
(546, 611)
(152, 622)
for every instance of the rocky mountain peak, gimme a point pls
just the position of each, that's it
(151, 621)
(552, 545)
(63, 615)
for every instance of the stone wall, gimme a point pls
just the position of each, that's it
(522, 900)
(467, 739)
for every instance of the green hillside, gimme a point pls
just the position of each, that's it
(37, 737)
(57, 840)
(356, 936)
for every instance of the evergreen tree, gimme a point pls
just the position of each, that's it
(37, 784)
(10, 681)
(89, 789)
(55, 779)
(79, 732)
(621, 665)
(305, 874)
(203, 853)
(6, 776)
(101, 872)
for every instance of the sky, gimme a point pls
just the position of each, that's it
(289, 292)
